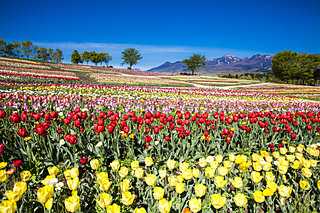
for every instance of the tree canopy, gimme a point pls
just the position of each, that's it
(130, 56)
(195, 62)
(76, 58)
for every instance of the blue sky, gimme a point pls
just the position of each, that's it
(165, 30)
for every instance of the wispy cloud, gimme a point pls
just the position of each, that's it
(153, 55)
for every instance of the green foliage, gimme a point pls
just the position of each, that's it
(76, 58)
(85, 56)
(130, 56)
(195, 62)
(288, 65)
(3, 44)
(27, 48)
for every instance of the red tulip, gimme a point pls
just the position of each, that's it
(2, 114)
(17, 163)
(2, 148)
(83, 160)
(293, 135)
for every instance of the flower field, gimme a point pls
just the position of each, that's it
(112, 148)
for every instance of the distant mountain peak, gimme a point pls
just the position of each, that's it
(225, 64)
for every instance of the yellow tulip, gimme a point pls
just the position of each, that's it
(11, 195)
(8, 206)
(268, 158)
(292, 149)
(227, 164)
(125, 185)
(268, 192)
(127, 198)
(241, 159)
(209, 172)
(290, 158)
(283, 169)
(123, 171)
(299, 156)
(269, 176)
(138, 173)
(243, 167)
(200, 190)
(49, 203)
(195, 172)
(44, 193)
(256, 177)
(283, 150)
(313, 152)
(276, 155)
(140, 210)
(113, 208)
(53, 170)
(179, 188)
(296, 165)
(67, 174)
(237, 182)
(219, 158)
(73, 183)
(318, 184)
(267, 166)
(3, 176)
(183, 166)
(151, 179)
(94, 163)
(104, 200)
(102, 175)
(72, 203)
(217, 201)
(306, 172)
(134, 165)
(257, 166)
(74, 172)
(158, 193)
(25, 176)
(220, 182)
(214, 164)
(164, 206)
(240, 199)
(255, 157)
(272, 185)
(162, 174)
(306, 163)
(3, 164)
(305, 185)
(105, 185)
(300, 148)
(187, 174)
(195, 204)
(202, 162)
(223, 171)
(172, 181)
(258, 196)
(148, 161)
(171, 164)
(115, 165)
(20, 187)
(180, 178)
(284, 191)
(232, 157)
(313, 163)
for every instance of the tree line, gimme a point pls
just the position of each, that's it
(129, 56)
(28, 50)
(297, 68)
(94, 57)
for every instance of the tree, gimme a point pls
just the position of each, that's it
(195, 62)
(107, 58)
(85, 56)
(43, 54)
(75, 57)
(3, 44)
(284, 65)
(35, 50)
(57, 56)
(95, 57)
(17, 49)
(51, 54)
(27, 48)
(8, 50)
(130, 56)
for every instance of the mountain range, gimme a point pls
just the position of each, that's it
(223, 65)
